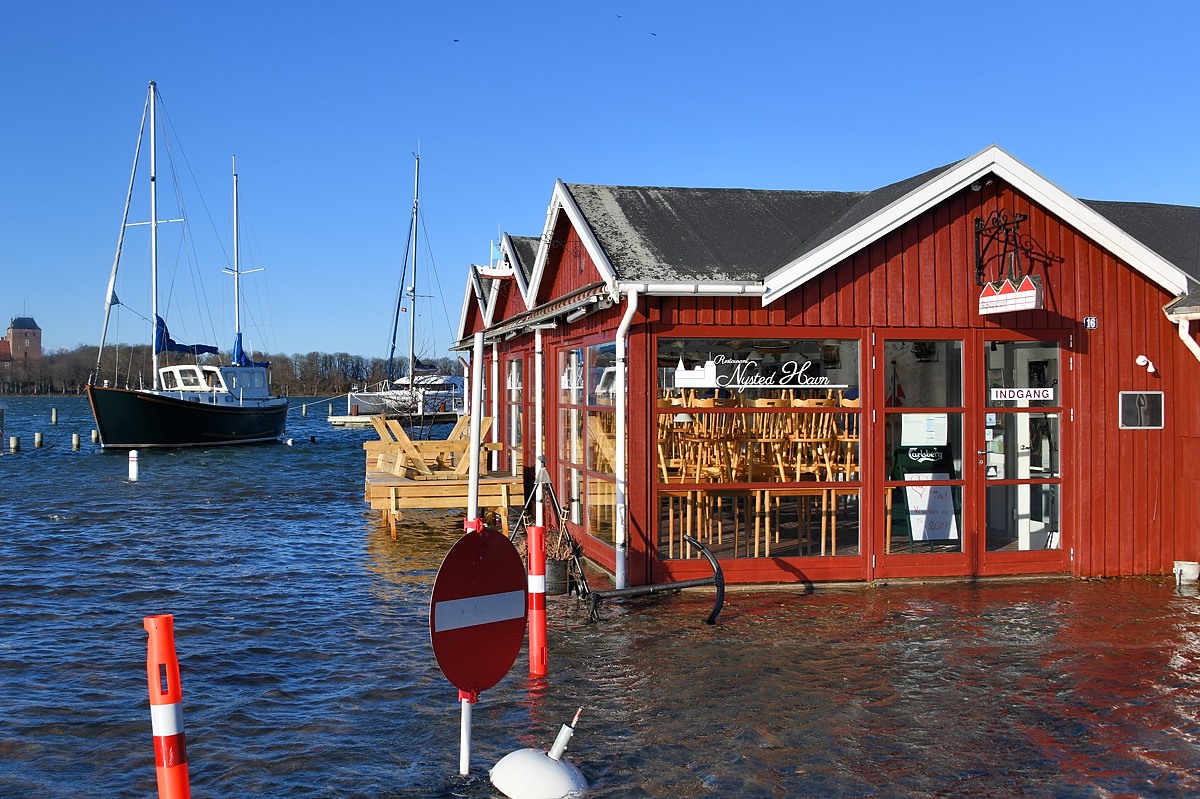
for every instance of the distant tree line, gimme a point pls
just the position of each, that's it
(313, 374)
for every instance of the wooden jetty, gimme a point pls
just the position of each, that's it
(403, 473)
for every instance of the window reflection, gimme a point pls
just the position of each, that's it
(1022, 446)
(1022, 517)
(1022, 374)
(923, 374)
(758, 447)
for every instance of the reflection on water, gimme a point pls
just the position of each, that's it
(302, 632)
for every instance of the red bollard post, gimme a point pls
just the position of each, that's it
(166, 708)
(538, 657)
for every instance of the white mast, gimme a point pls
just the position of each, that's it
(239, 352)
(237, 272)
(412, 289)
(154, 228)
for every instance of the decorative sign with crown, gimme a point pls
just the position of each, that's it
(739, 374)
(1000, 244)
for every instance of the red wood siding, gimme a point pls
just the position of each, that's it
(508, 301)
(1129, 505)
(1124, 500)
(569, 267)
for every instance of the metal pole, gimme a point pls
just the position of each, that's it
(476, 427)
(464, 734)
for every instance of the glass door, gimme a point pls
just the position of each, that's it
(1020, 456)
(923, 530)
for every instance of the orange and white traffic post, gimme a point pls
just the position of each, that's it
(536, 551)
(166, 708)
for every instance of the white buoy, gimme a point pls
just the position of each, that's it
(538, 774)
(74, 441)
(133, 465)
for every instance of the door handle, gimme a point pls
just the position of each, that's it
(981, 452)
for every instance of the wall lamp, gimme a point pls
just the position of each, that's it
(1142, 360)
(577, 314)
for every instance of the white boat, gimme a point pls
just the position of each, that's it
(422, 392)
(194, 404)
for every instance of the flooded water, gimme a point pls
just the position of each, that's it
(302, 634)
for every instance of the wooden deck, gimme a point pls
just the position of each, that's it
(403, 473)
(391, 495)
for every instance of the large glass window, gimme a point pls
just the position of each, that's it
(587, 440)
(757, 448)
(514, 401)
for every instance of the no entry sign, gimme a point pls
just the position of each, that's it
(477, 613)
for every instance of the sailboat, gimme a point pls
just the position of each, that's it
(198, 404)
(422, 394)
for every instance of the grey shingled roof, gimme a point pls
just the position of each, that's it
(677, 234)
(1172, 231)
(525, 248)
(656, 233)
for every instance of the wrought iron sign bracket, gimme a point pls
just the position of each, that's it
(999, 238)
(1001, 231)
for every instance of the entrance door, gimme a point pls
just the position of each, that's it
(1020, 457)
(969, 446)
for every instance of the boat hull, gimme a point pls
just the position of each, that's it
(129, 419)
(402, 402)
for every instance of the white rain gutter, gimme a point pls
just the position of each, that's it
(621, 534)
(732, 289)
(539, 377)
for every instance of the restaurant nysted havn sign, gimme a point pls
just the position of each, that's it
(739, 374)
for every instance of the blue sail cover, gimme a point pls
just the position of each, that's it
(240, 358)
(164, 343)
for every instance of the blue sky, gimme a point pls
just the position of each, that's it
(325, 103)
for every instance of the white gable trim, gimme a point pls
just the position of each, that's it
(509, 250)
(562, 202)
(470, 296)
(991, 160)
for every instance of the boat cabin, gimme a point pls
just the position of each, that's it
(218, 384)
(966, 373)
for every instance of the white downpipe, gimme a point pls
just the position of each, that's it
(622, 406)
(476, 427)
(539, 396)
(497, 387)
(1184, 325)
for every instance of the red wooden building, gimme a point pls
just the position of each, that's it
(969, 372)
